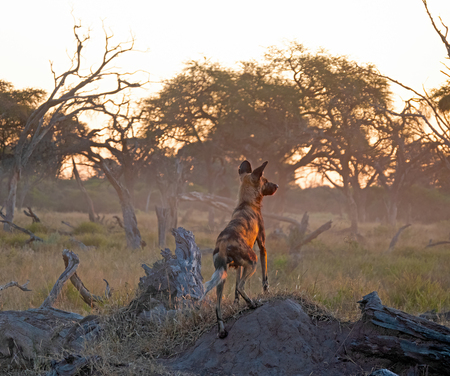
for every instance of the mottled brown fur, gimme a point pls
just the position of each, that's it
(234, 245)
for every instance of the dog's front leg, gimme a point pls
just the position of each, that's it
(263, 257)
(238, 280)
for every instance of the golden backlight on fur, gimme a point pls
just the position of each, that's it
(234, 245)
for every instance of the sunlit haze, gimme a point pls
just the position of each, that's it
(394, 35)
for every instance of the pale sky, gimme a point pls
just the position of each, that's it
(395, 35)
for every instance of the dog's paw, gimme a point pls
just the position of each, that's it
(222, 334)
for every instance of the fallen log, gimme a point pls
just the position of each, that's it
(71, 266)
(388, 333)
(45, 331)
(88, 298)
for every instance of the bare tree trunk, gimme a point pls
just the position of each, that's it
(391, 209)
(147, 204)
(211, 219)
(353, 211)
(23, 192)
(163, 215)
(132, 233)
(11, 200)
(173, 211)
(90, 204)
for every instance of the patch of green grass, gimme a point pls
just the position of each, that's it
(89, 228)
(38, 228)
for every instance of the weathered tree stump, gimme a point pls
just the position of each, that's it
(388, 333)
(175, 278)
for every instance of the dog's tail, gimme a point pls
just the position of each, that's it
(219, 275)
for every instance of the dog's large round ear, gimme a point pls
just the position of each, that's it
(245, 168)
(257, 172)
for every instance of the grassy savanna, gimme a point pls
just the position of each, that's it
(335, 270)
(328, 276)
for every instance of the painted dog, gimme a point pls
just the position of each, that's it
(234, 245)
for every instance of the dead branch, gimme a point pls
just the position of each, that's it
(76, 281)
(14, 283)
(439, 32)
(67, 224)
(396, 237)
(72, 264)
(431, 244)
(31, 214)
(119, 221)
(298, 234)
(316, 233)
(33, 237)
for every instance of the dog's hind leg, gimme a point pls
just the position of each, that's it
(238, 279)
(249, 270)
(222, 331)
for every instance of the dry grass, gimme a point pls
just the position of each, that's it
(335, 271)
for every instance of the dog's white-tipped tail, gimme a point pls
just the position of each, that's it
(218, 276)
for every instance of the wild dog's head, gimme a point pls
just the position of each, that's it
(253, 184)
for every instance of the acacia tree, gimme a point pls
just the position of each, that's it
(265, 122)
(188, 109)
(344, 101)
(76, 92)
(221, 115)
(15, 107)
(407, 158)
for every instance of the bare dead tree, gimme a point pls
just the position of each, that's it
(426, 106)
(75, 92)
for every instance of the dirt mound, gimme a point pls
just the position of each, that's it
(278, 338)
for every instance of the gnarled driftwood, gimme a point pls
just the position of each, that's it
(46, 331)
(174, 278)
(388, 333)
